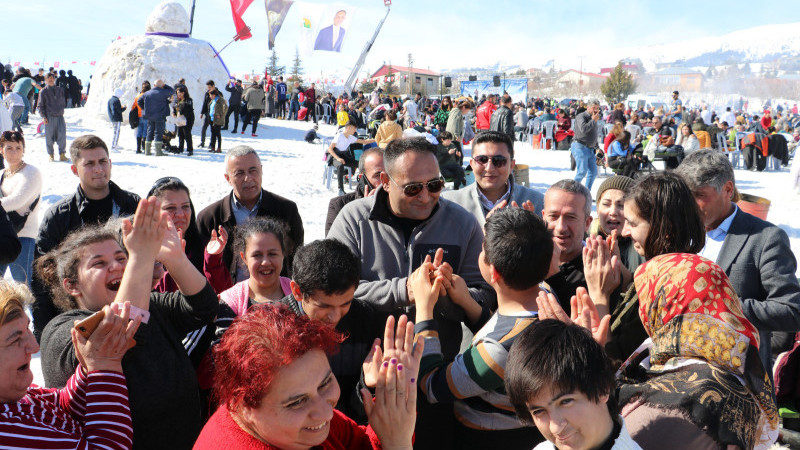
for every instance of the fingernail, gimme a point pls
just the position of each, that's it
(385, 364)
(399, 367)
(394, 361)
(412, 380)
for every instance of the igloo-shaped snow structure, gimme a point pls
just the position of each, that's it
(161, 53)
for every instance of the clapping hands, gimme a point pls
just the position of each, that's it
(218, 241)
(584, 313)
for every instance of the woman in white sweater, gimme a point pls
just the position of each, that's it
(20, 189)
(687, 139)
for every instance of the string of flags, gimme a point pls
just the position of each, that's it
(54, 64)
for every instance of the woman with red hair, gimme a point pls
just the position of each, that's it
(276, 389)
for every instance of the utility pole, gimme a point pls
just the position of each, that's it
(409, 82)
(191, 19)
(580, 79)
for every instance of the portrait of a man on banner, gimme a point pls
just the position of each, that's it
(330, 37)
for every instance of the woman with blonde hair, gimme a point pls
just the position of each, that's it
(389, 130)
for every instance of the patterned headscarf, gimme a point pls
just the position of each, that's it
(691, 312)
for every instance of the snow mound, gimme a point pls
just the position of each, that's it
(168, 17)
(131, 60)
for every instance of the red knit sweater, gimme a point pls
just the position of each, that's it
(222, 432)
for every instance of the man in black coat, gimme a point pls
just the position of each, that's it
(75, 89)
(234, 103)
(503, 118)
(204, 111)
(370, 165)
(96, 200)
(9, 243)
(63, 82)
(247, 200)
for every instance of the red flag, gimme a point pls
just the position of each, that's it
(74, 62)
(16, 64)
(238, 7)
(55, 64)
(36, 63)
(247, 77)
(92, 63)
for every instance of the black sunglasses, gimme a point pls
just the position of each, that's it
(413, 189)
(497, 160)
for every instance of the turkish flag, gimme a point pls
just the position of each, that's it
(92, 63)
(247, 77)
(16, 64)
(74, 62)
(36, 63)
(55, 64)
(238, 7)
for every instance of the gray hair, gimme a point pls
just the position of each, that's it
(593, 102)
(574, 187)
(367, 153)
(159, 83)
(239, 151)
(706, 168)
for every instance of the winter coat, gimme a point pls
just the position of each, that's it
(455, 124)
(220, 108)
(387, 132)
(254, 96)
(503, 121)
(236, 94)
(52, 102)
(185, 108)
(484, 115)
(115, 109)
(155, 103)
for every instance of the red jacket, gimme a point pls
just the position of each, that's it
(766, 121)
(484, 115)
(221, 432)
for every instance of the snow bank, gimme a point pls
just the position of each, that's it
(168, 17)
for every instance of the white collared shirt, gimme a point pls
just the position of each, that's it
(488, 204)
(716, 237)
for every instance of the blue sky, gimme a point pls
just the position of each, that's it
(439, 34)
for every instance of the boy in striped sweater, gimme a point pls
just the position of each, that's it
(516, 256)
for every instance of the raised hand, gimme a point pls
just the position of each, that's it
(172, 246)
(602, 270)
(425, 291)
(143, 235)
(392, 413)
(217, 242)
(584, 313)
(106, 346)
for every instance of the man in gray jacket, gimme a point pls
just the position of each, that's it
(51, 107)
(394, 231)
(492, 163)
(754, 253)
(503, 119)
(585, 141)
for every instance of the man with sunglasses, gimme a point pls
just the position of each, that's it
(370, 165)
(398, 229)
(492, 163)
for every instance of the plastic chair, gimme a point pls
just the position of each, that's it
(607, 128)
(634, 130)
(328, 169)
(549, 131)
(326, 114)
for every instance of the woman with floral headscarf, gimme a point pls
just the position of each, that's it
(697, 382)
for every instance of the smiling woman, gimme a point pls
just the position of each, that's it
(38, 418)
(91, 270)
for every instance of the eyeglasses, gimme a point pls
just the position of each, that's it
(413, 189)
(497, 160)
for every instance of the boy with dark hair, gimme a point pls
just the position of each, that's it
(560, 379)
(450, 159)
(517, 250)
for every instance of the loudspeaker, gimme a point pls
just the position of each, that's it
(496, 80)
(473, 78)
(448, 82)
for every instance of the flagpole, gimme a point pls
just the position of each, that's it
(191, 19)
(348, 85)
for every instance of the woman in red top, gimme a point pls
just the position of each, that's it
(91, 411)
(276, 389)
(616, 132)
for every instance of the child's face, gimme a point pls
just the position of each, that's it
(447, 142)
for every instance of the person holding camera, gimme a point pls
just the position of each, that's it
(20, 189)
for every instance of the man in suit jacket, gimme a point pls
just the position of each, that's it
(492, 163)
(754, 253)
(248, 200)
(330, 38)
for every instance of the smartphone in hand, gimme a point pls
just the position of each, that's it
(87, 326)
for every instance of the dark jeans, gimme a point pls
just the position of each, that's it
(349, 161)
(185, 134)
(253, 115)
(628, 166)
(312, 111)
(216, 137)
(454, 171)
(232, 109)
(281, 108)
(206, 124)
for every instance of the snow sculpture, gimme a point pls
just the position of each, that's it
(164, 52)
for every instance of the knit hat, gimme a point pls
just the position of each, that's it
(619, 182)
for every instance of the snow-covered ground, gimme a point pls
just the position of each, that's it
(293, 169)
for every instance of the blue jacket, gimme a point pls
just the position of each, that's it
(155, 103)
(617, 150)
(115, 109)
(281, 88)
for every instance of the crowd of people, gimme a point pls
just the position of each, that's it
(483, 316)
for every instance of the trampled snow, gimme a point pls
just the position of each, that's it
(293, 169)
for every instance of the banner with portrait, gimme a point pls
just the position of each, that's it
(517, 88)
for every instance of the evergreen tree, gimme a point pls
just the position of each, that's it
(711, 71)
(368, 86)
(389, 87)
(273, 69)
(618, 85)
(297, 69)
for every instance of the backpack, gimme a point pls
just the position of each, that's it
(133, 118)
